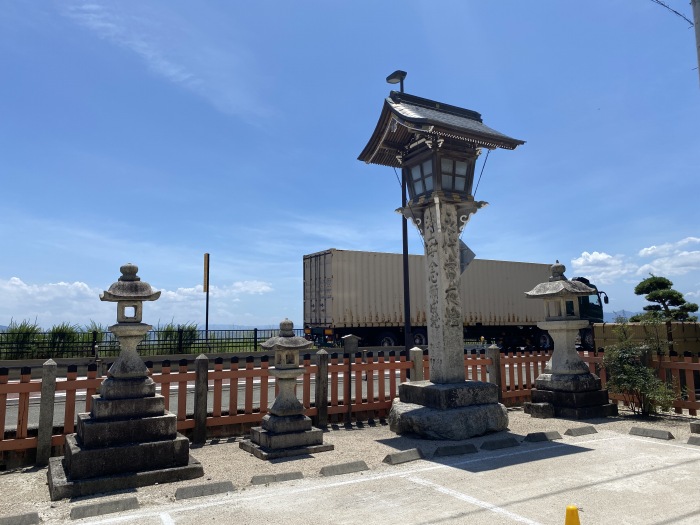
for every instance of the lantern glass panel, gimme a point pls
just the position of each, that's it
(454, 175)
(461, 168)
(428, 175)
(415, 172)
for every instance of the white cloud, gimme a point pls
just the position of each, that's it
(667, 248)
(680, 263)
(602, 267)
(671, 258)
(209, 64)
(78, 303)
(251, 287)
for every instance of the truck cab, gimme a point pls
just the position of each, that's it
(591, 309)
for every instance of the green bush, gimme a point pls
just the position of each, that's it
(20, 339)
(62, 339)
(629, 373)
(169, 335)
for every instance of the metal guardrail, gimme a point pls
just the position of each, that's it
(45, 345)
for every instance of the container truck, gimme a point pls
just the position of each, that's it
(361, 293)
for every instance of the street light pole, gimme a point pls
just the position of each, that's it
(394, 78)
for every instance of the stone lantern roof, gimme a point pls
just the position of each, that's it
(559, 286)
(286, 340)
(405, 118)
(129, 287)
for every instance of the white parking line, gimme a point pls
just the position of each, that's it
(166, 519)
(473, 501)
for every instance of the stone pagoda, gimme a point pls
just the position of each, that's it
(566, 388)
(436, 146)
(128, 439)
(285, 430)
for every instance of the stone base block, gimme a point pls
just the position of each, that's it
(81, 463)
(453, 424)
(96, 433)
(570, 399)
(60, 486)
(286, 424)
(539, 410)
(568, 382)
(606, 410)
(127, 408)
(267, 454)
(273, 440)
(574, 405)
(127, 388)
(450, 395)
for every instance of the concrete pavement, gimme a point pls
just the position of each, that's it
(612, 476)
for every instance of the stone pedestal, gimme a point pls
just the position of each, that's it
(121, 443)
(447, 411)
(284, 436)
(567, 384)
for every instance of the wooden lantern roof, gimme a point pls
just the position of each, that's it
(406, 118)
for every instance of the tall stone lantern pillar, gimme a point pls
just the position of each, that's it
(127, 439)
(566, 388)
(437, 145)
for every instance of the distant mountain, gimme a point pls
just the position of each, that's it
(3, 328)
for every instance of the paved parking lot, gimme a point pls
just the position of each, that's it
(612, 476)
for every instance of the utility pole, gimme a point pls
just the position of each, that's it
(206, 290)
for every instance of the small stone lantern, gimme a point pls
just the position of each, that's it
(286, 347)
(128, 292)
(567, 387)
(285, 430)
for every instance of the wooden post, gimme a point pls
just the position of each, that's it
(46, 412)
(416, 356)
(321, 400)
(351, 344)
(201, 386)
(493, 352)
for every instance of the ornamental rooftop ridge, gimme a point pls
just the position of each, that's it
(406, 117)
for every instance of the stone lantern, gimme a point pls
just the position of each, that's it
(129, 292)
(127, 439)
(437, 145)
(567, 387)
(285, 430)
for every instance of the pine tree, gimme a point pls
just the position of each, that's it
(669, 304)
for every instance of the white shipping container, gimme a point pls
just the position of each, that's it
(365, 289)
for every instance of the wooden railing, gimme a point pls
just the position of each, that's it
(359, 386)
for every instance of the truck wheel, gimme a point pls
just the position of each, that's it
(420, 338)
(388, 339)
(545, 342)
(587, 341)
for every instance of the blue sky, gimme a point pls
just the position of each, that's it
(153, 132)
